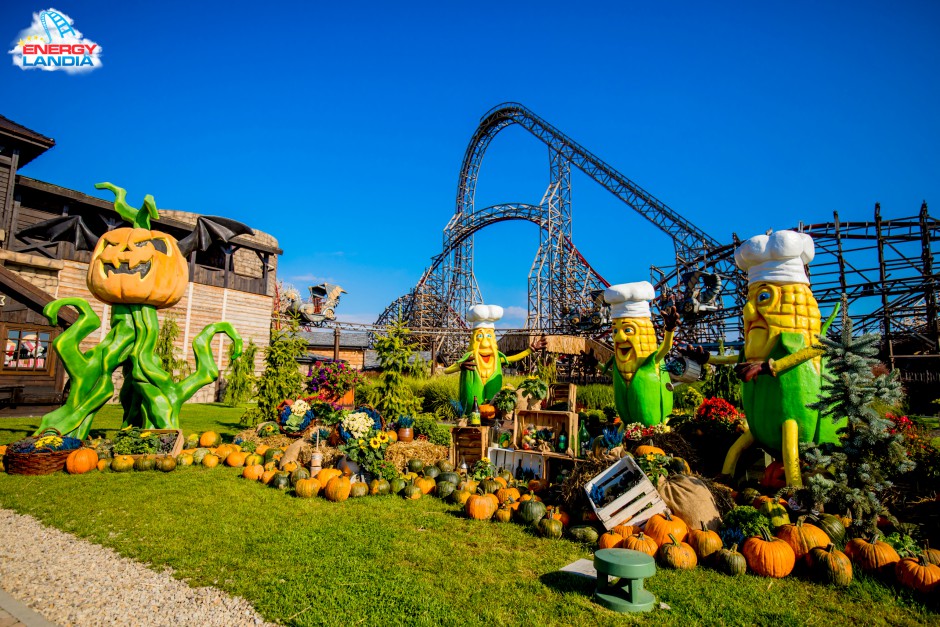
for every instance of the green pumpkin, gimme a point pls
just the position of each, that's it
(166, 463)
(585, 534)
(358, 489)
(415, 465)
(729, 561)
(281, 481)
(776, 514)
(550, 528)
(530, 512)
(449, 477)
(507, 476)
(412, 491)
(396, 485)
(199, 454)
(489, 486)
(747, 496)
(184, 459)
(298, 474)
(379, 487)
(120, 464)
(444, 489)
(271, 453)
(145, 462)
(192, 440)
(431, 472)
(832, 525)
(445, 466)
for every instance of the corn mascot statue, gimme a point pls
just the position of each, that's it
(640, 392)
(481, 368)
(781, 366)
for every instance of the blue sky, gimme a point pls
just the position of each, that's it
(340, 127)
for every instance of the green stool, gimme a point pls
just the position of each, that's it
(627, 594)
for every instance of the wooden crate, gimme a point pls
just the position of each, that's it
(468, 444)
(563, 393)
(508, 459)
(635, 503)
(551, 420)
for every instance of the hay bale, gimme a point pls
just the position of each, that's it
(398, 453)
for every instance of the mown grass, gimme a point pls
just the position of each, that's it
(386, 561)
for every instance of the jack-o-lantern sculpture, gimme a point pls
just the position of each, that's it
(137, 271)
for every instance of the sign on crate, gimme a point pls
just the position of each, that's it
(623, 493)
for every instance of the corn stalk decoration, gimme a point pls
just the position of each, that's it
(137, 271)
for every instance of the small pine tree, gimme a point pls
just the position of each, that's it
(166, 349)
(281, 378)
(856, 474)
(394, 351)
(240, 376)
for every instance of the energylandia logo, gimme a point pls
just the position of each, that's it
(52, 43)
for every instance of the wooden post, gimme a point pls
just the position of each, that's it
(336, 343)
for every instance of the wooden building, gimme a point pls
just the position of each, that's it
(233, 283)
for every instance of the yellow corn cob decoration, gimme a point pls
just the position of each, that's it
(788, 308)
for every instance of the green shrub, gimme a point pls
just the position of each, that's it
(427, 425)
(687, 398)
(595, 396)
(439, 392)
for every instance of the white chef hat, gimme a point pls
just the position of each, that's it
(776, 258)
(630, 300)
(484, 315)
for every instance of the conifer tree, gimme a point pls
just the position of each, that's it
(394, 351)
(282, 378)
(240, 377)
(856, 474)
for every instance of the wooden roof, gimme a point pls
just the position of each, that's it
(30, 143)
(25, 292)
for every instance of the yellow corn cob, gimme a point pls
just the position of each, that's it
(643, 340)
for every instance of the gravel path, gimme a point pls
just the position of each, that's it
(75, 582)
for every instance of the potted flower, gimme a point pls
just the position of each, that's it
(294, 417)
(535, 390)
(505, 401)
(405, 433)
(332, 381)
(366, 454)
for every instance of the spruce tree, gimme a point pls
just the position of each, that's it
(856, 474)
(240, 376)
(282, 378)
(166, 350)
(394, 351)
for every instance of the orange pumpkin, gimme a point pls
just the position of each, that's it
(918, 574)
(641, 542)
(289, 467)
(210, 461)
(268, 476)
(874, 556)
(253, 472)
(704, 541)
(610, 540)
(625, 530)
(487, 411)
(802, 537)
(502, 482)
(103, 464)
(262, 449)
(133, 265)
(425, 485)
(209, 439)
(326, 474)
(338, 489)
(556, 514)
(769, 556)
(479, 507)
(81, 461)
(307, 488)
(659, 526)
(236, 460)
(506, 494)
(646, 449)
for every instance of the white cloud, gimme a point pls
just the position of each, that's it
(53, 27)
(312, 279)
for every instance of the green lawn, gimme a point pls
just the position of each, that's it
(386, 561)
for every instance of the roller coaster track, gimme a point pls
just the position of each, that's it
(561, 278)
(61, 24)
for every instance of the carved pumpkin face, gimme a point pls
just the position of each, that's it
(138, 266)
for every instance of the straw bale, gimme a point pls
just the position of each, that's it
(399, 453)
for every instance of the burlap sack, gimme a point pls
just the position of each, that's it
(690, 499)
(292, 452)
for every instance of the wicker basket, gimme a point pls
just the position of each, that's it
(36, 463)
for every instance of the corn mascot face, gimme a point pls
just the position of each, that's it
(632, 329)
(772, 309)
(485, 352)
(779, 299)
(137, 266)
(634, 340)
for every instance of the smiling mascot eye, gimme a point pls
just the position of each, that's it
(138, 266)
(764, 297)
